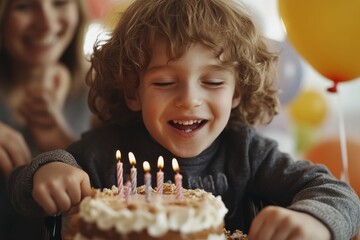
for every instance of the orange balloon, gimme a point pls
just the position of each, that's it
(309, 108)
(357, 237)
(326, 33)
(328, 152)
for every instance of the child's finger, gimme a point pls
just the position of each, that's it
(264, 224)
(282, 233)
(74, 193)
(62, 201)
(44, 199)
(255, 228)
(85, 186)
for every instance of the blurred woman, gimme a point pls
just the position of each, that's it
(43, 98)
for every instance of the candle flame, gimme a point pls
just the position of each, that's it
(146, 166)
(132, 159)
(175, 165)
(118, 155)
(160, 162)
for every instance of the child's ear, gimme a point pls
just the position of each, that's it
(236, 99)
(132, 99)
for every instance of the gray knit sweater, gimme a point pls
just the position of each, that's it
(240, 165)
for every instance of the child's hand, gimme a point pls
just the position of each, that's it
(13, 149)
(60, 186)
(277, 223)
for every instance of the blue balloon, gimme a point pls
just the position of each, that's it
(290, 72)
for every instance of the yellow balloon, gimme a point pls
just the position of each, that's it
(309, 108)
(326, 33)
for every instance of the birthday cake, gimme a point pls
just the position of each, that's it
(106, 215)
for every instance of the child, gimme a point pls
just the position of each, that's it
(189, 79)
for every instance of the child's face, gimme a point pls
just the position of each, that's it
(38, 31)
(185, 103)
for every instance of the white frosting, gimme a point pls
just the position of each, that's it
(197, 211)
(78, 236)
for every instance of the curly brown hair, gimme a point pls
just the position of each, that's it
(221, 25)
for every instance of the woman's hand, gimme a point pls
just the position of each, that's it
(59, 186)
(13, 149)
(277, 223)
(42, 109)
(45, 120)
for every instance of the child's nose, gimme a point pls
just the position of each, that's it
(188, 97)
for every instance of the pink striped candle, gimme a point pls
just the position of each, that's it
(133, 173)
(160, 176)
(147, 181)
(127, 192)
(119, 172)
(178, 180)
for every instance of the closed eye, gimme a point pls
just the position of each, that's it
(213, 83)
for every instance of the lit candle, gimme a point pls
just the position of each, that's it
(133, 173)
(127, 192)
(178, 180)
(160, 176)
(147, 181)
(119, 171)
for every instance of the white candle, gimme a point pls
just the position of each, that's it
(178, 180)
(147, 181)
(119, 172)
(160, 176)
(133, 173)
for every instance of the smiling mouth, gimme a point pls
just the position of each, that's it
(45, 41)
(187, 126)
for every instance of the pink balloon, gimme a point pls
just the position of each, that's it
(98, 8)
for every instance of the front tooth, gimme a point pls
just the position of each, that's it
(188, 122)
